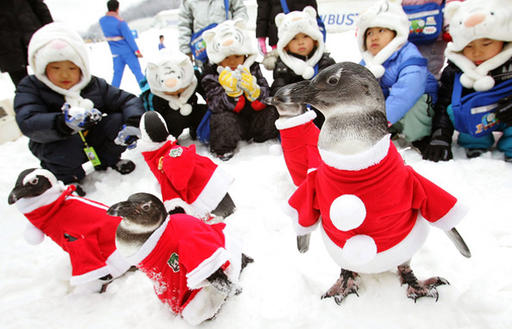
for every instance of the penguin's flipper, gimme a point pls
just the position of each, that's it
(303, 243)
(459, 242)
(225, 207)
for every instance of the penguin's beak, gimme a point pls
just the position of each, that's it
(121, 209)
(18, 193)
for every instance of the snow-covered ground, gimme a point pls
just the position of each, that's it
(282, 288)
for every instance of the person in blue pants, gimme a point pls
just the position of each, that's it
(122, 44)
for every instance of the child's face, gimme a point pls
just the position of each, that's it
(480, 50)
(377, 38)
(63, 74)
(232, 61)
(301, 44)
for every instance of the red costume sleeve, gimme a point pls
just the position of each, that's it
(305, 202)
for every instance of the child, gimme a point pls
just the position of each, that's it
(63, 108)
(235, 90)
(172, 92)
(476, 86)
(408, 86)
(301, 51)
(161, 43)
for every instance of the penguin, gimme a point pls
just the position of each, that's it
(194, 266)
(373, 209)
(189, 182)
(80, 226)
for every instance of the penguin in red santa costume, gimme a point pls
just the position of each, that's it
(80, 226)
(373, 211)
(189, 182)
(194, 266)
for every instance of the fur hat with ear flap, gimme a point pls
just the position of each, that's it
(57, 42)
(390, 15)
(170, 71)
(477, 19)
(291, 24)
(230, 38)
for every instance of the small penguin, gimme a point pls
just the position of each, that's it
(80, 226)
(373, 209)
(194, 266)
(188, 181)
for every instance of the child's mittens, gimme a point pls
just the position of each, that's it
(128, 136)
(249, 85)
(229, 82)
(78, 119)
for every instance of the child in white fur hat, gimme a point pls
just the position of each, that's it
(301, 51)
(170, 89)
(62, 105)
(475, 96)
(235, 89)
(408, 86)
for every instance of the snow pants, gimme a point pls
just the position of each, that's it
(486, 142)
(120, 61)
(417, 123)
(65, 158)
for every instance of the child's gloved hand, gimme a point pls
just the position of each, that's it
(439, 148)
(229, 82)
(249, 85)
(78, 119)
(504, 110)
(128, 136)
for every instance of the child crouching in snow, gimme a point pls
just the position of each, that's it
(235, 89)
(301, 51)
(410, 89)
(63, 108)
(172, 90)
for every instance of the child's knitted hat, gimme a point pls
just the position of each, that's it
(230, 38)
(56, 42)
(388, 14)
(291, 24)
(170, 71)
(477, 19)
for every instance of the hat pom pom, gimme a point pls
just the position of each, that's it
(484, 84)
(466, 81)
(186, 109)
(86, 104)
(33, 235)
(377, 70)
(308, 73)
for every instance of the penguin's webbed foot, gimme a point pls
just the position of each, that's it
(348, 283)
(220, 281)
(416, 288)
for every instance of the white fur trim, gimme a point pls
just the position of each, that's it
(32, 234)
(146, 145)
(347, 212)
(205, 304)
(285, 123)
(294, 215)
(386, 260)
(213, 192)
(359, 249)
(89, 276)
(186, 109)
(178, 202)
(117, 264)
(148, 245)
(26, 205)
(358, 161)
(452, 217)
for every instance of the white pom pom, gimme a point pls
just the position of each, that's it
(466, 81)
(186, 109)
(33, 235)
(484, 84)
(359, 249)
(347, 212)
(308, 73)
(377, 69)
(86, 104)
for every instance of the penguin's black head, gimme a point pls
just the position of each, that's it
(153, 127)
(31, 183)
(342, 84)
(145, 211)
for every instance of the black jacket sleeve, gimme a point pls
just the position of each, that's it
(441, 119)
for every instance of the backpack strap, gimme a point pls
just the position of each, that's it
(284, 5)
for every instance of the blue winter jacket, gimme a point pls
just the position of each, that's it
(114, 27)
(403, 88)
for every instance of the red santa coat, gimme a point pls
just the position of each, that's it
(372, 207)
(79, 226)
(180, 255)
(186, 179)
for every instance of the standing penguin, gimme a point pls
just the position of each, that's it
(194, 266)
(80, 226)
(374, 211)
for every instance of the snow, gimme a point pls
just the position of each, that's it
(282, 288)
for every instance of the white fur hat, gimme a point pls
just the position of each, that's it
(388, 14)
(230, 38)
(477, 19)
(56, 42)
(291, 24)
(170, 71)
